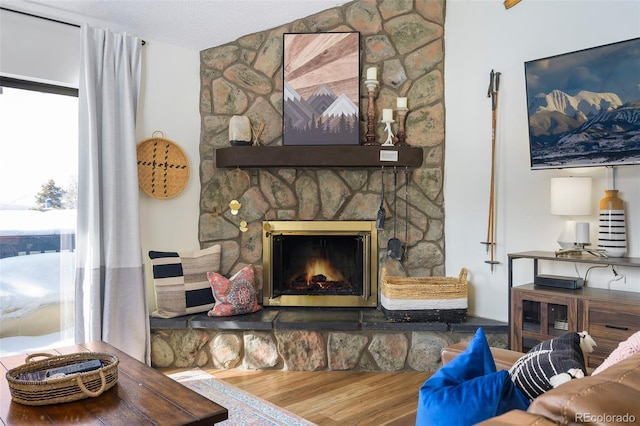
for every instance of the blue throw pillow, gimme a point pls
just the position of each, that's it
(468, 389)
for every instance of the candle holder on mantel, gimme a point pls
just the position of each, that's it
(371, 85)
(401, 137)
(387, 128)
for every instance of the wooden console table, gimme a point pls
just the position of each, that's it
(539, 313)
(141, 396)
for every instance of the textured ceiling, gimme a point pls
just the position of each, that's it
(193, 24)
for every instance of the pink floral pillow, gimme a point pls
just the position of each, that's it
(624, 350)
(235, 295)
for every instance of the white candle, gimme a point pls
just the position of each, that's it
(402, 102)
(372, 73)
(387, 115)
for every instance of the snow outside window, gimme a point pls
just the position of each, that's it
(38, 197)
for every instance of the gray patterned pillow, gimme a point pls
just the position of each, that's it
(549, 364)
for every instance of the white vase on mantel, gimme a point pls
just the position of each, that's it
(612, 230)
(240, 130)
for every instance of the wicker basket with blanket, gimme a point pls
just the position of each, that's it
(423, 299)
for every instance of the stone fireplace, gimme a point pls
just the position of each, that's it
(320, 263)
(404, 40)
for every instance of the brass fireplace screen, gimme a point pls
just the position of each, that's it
(320, 263)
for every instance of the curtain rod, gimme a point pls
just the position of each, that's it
(47, 19)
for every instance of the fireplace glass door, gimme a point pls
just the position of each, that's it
(319, 264)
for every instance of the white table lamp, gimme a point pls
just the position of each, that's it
(571, 196)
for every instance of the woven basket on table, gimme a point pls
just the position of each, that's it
(163, 168)
(66, 389)
(405, 299)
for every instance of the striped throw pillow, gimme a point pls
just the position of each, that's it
(549, 364)
(181, 283)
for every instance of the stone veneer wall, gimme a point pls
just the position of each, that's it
(405, 40)
(311, 350)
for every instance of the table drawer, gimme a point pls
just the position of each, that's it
(612, 322)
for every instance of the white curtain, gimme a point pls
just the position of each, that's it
(110, 293)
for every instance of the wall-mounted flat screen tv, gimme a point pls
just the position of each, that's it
(584, 107)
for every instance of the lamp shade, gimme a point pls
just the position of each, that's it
(571, 196)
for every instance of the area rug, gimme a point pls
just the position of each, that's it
(244, 408)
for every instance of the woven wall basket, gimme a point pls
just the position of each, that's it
(163, 168)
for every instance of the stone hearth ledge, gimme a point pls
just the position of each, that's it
(310, 339)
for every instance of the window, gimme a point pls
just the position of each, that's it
(38, 197)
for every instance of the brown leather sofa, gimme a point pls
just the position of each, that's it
(610, 397)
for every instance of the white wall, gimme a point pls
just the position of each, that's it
(46, 52)
(481, 36)
(170, 100)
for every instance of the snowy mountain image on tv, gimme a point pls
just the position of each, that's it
(321, 89)
(584, 107)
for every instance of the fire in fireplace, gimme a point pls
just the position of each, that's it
(320, 263)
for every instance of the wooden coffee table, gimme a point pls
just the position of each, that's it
(142, 396)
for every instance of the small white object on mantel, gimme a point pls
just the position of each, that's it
(388, 155)
(240, 130)
(387, 119)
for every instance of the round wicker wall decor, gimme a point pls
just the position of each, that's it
(163, 168)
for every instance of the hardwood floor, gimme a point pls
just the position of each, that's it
(330, 398)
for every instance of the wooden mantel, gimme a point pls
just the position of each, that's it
(318, 156)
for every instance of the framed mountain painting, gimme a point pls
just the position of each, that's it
(321, 89)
